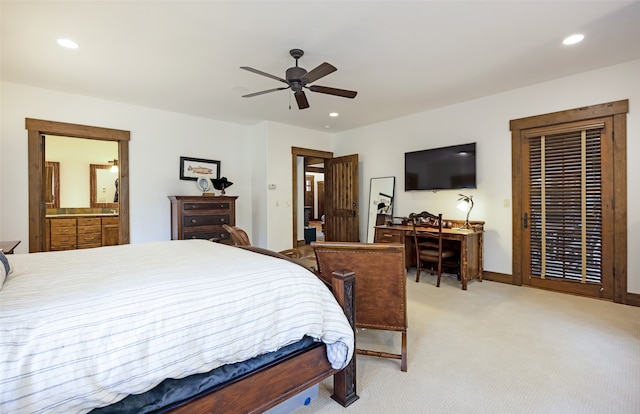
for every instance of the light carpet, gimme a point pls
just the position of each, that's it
(497, 348)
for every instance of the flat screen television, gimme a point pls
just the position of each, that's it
(443, 168)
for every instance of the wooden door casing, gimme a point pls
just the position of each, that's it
(617, 111)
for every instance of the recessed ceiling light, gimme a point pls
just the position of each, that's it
(68, 43)
(573, 39)
(333, 114)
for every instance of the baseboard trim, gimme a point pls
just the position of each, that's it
(497, 277)
(633, 299)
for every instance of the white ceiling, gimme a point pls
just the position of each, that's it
(402, 57)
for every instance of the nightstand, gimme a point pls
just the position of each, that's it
(8, 246)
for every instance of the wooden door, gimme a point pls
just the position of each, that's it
(309, 198)
(341, 199)
(320, 199)
(567, 193)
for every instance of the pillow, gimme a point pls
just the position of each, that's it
(5, 268)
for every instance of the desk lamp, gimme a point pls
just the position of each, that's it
(465, 204)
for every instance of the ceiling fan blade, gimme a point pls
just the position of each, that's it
(259, 72)
(263, 92)
(333, 91)
(320, 71)
(301, 98)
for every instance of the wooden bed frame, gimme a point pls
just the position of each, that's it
(269, 386)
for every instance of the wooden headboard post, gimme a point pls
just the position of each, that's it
(344, 382)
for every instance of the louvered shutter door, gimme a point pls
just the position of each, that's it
(566, 206)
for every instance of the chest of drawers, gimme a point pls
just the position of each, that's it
(202, 217)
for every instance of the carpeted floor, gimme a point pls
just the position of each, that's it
(497, 348)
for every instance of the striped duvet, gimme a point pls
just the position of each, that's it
(84, 328)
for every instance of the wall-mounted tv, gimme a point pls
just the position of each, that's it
(443, 168)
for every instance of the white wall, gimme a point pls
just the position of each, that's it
(279, 200)
(486, 121)
(158, 139)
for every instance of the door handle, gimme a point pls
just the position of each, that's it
(525, 220)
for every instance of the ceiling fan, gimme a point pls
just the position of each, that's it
(298, 78)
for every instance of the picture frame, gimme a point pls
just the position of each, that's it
(193, 168)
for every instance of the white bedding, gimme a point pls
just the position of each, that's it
(84, 328)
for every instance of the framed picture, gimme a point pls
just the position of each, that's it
(193, 168)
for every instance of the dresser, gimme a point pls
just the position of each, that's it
(202, 217)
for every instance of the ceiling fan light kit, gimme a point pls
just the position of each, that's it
(298, 78)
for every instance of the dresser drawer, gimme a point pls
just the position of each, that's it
(210, 220)
(90, 238)
(385, 236)
(215, 206)
(63, 242)
(93, 221)
(71, 222)
(56, 230)
(213, 235)
(110, 220)
(90, 229)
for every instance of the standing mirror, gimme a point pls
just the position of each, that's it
(380, 203)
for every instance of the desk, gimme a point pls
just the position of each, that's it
(8, 246)
(469, 243)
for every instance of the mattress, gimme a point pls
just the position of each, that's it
(85, 328)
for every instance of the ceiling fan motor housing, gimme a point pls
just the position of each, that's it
(294, 76)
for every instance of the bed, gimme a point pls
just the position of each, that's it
(85, 329)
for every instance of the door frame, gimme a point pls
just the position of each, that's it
(295, 153)
(37, 129)
(618, 112)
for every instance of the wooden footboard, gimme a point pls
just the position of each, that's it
(263, 389)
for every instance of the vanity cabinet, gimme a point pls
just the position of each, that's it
(110, 231)
(63, 234)
(202, 217)
(89, 232)
(70, 233)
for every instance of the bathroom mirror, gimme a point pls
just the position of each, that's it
(380, 203)
(103, 186)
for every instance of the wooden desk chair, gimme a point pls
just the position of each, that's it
(428, 245)
(381, 294)
(238, 236)
(302, 255)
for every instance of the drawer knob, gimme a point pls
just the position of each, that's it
(221, 219)
(194, 221)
